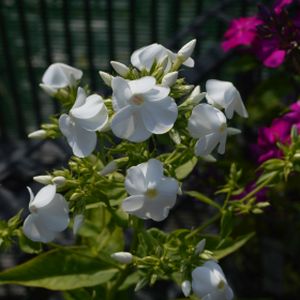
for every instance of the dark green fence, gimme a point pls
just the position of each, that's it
(88, 34)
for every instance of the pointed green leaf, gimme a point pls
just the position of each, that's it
(62, 269)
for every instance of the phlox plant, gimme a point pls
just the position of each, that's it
(133, 153)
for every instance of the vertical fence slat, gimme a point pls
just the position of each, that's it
(67, 31)
(3, 129)
(110, 30)
(9, 69)
(153, 21)
(28, 62)
(89, 41)
(173, 19)
(132, 31)
(47, 41)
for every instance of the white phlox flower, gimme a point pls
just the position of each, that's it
(58, 76)
(209, 126)
(209, 282)
(49, 215)
(144, 57)
(223, 94)
(142, 108)
(152, 194)
(88, 114)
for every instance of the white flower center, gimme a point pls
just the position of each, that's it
(223, 127)
(33, 209)
(137, 99)
(221, 285)
(151, 193)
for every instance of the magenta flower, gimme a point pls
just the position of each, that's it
(273, 35)
(279, 131)
(279, 5)
(241, 32)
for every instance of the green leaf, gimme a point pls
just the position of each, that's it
(226, 224)
(241, 241)
(185, 169)
(203, 198)
(60, 269)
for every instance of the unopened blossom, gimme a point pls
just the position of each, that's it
(186, 51)
(142, 108)
(106, 77)
(144, 57)
(152, 194)
(43, 179)
(209, 126)
(49, 215)
(122, 257)
(58, 76)
(186, 288)
(38, 134)
(200, 247)
(78, 221)
(223, 94)
(169, 79)
(120, 68)
(87, 116)
(209, 282)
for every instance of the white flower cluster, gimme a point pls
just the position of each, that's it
(141, 107)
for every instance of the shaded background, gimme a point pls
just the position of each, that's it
(87, 34)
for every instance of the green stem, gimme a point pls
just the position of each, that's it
(258, 188)
(206, 224)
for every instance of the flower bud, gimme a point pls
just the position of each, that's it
(107, 78)
(48, 89)
(186, 51)
(186, 288)
(59, 180)
(209, 158)
(169, 79)
(109, 168)
(38, 134)
(196, 96)
(122, 257)
(164, 62)
(78, 220)
(120, 68)
(43, 179)
(200, 247)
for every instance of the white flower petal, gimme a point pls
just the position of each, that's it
(92, 115)
(48, 89)
(128, 124)
(55, 216)
(121, 93)
(206, 144)
(133, 203)
(186, 288)
(59, 75)
(35, 230)
(154, 171)
(144, 57)
(204, 120)
(81, 141)
(135, 182)
(43, 197)
(157, 93)
(142, 85)
(120, 68)
(80, 98)
(189, 63)
(31, 195)
(222, 145)
(159, 116)
(203, 281)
